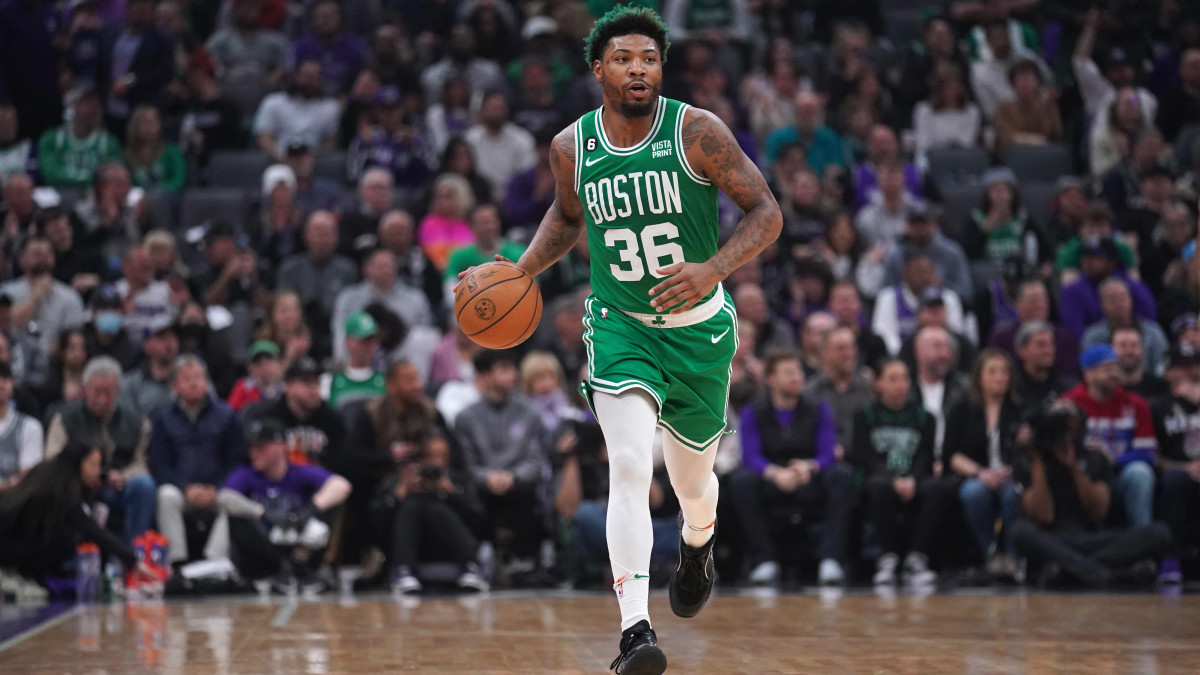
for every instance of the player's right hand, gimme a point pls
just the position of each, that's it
(499, 258)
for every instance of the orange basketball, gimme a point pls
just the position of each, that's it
(498, 305)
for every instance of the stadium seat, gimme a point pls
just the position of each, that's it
(332, 165)
(204, 204)
(1038, 198)
(237, 168)
(957, 165)
(71, 196)
(247, 96)
(160, 209)
(957, 203)
(1039, 162)
(1185, 144)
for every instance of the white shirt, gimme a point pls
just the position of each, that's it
(941, 129)
(29, 442)
(501, 156)
(152, 308)
(932, 396)
(885, 322)
(290, 119)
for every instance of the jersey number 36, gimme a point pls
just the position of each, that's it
(653, 252)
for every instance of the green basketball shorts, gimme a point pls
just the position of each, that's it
(682, 361)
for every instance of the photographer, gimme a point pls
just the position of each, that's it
(1066, 499)
(434, 509)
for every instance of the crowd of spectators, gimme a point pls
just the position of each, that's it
(229, 230)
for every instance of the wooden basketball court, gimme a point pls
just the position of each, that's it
(858, 632)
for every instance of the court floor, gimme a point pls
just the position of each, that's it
(831, 632)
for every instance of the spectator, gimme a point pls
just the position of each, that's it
(355, 377)
(509, 467)
(1096, 222)
(265, 381)
(20, 436)
(313, 192)
(459, 158)
(121, 433)
(276, 512)
(486, 226)
(882, 222)
(502, 148)
(788, 458)
(984, 427)
(1125, 119)
(536, 109)
(105, 333)
(285, 326)
(1032, 303)
(397, 234)
(1031, 116)
(922, 235)
(341, 55)
(544, 388)
(195, 337)
(1097, 87)
(42, 305)
(1067, 210)
(195, 443)
(1176, 423)
(210, 120)
(1066, 499)
(1001, 229)
(316, 434)
(1037, 382)
(1118, 424)
(990, 79)
(136, 63)
(461, 62)
(452, 359)
(149, 387)
(68, 155)
(63, 382)
(358, 228)
(846, 306)
(932, 312)
(1181, 103)
(319, 275)
(16, 149)
(1127, 343)
(530, 193)
(821, 144)
(300, 116)
(773, 333)
(276, 233)
(149, 303)
(111, 218)
(394, 145)
(246, 52)
(895, 316)
(1121, 186)
(882, 146)
(155, 163)
(939, 387)
(947, 119)
(1144, 210)
(380, 284)
(1117, 304)
(17, 211)
(893, 447)
(445, 229)
(841, 383)
(841, 246)
(1080, 300)
(451, 117)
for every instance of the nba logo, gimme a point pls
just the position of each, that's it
(603, 312)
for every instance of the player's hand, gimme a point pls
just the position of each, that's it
(686, 283)
(499, 258)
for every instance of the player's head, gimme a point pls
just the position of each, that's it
(626, 50)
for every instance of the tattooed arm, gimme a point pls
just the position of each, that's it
(714, 153)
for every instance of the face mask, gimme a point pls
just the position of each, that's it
(108, 322)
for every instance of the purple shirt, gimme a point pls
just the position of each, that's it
(752, 453)
(296, 489)
(865, 183)
(1079, 304)
(340, 61)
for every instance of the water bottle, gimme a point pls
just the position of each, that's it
(87, 572)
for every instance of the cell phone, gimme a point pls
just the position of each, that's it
(135, 196)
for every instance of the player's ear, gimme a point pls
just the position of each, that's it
(597, 68)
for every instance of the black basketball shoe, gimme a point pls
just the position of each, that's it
(692, 580)
(640, 654)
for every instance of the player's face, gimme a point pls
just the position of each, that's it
(630, 74)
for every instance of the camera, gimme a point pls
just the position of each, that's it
(430, 472)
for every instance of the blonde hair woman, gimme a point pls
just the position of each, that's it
(154, 163)
(445, 229)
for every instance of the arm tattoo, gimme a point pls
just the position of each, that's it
(724, 163)
(563, 224)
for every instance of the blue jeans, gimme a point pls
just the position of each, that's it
(1134, 488)
(136, 502)
(980, 505)
(592, 538)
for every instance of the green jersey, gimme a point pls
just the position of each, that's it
(644, 206)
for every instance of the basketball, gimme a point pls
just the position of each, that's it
(498, 305)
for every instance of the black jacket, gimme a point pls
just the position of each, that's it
(153, 66)
(966, 433)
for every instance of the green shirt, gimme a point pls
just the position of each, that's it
(66, 161)
(168, 173)
(1070, 253)
(344, 390)
(645, 207)
(471, 256)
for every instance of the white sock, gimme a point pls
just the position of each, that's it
(628, 423)
(696, 487)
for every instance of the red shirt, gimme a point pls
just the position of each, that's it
(1121, 426)
(244, 393)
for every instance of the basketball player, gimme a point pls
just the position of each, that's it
(641, 175)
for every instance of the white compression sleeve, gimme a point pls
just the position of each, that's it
(695, 486)
(628, 421)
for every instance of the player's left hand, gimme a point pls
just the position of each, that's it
(686, 283)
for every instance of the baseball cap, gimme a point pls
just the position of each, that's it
(263, 348)
(1182, 355)
(1097, 355)
(361, 325)
(932, 297)
(1183, 323)
(1101, 246)
(302, 367)
(106, 297)
(268, 430)
(297, 146)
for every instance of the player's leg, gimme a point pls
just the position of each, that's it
(697, 489)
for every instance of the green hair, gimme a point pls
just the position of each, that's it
(625, 20)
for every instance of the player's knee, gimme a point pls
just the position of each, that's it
(630, 469)
(691, 489)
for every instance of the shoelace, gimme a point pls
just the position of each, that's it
(626, 644)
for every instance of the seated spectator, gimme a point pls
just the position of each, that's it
(265, 381)
(773, 333)
(788, 459)
(315, 433)
(210, 120)
(1031, 117)
(990, 79)
(16, 150)
(196, 337)
(230, 273)
(1127, 343)
(313, 192)
(544, 387)
(76, 266)
(882, 222)
(319, 274)
(1176, 423)
(536, 108)
(1167, 238)
(509, 467)
(948, 119)
(459, 158)
(1037, 382)
(1096, 223)
(530, 194)
(461, 61)
(394, 145)
(452, 359)
(18, 211)
(164, 256)
(1121, 187)
(358, 228)
(154, 163)
(841, 246)
(275, 231)
(69, 155)
(922, 235)
(195, 443)
(502, 148)
(1118, 424)
(121, 433)
(42, 305)
(847, 307)
(300, 115)
(1067, 210)
(445, 229)
(932, 312)
(451, 117)
(277, 512)
(813, 328)
(20, 436)
(1117, 304)
(135, 63)
(937, 386)
(1097, 87)
(1031, 302)
(1144, 211)
(247, 52)
(149, 303)
(883, 146)
(63, 382)
(841, 383)
(108, 220)
(355, 378)
(105, 333)
(398, 235)
(895, 315)
(820, 143)
(1180, 104)
(893, 447)
(1066, 497)
(380, 284)
(1000, 228)
(1080, 300)
(285, 326)
(1113, 137)
(923, 62)
(984, 428)
(148, 387)
(486, 225)
(341, 54)
(44, 516)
